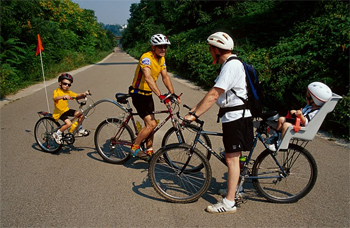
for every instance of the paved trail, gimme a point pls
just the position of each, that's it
(76, 188)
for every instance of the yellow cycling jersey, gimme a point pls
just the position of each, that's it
(61, 106)
(150, 60)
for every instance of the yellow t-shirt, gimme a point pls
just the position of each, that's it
(150, 60)
(61, 106)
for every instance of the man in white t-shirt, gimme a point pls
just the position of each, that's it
(237, 123)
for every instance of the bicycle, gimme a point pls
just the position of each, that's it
(284, 176)
(114, 137)
(47, 125)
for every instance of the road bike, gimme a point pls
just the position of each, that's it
(283, 176)
(47, 125)
(114, 137)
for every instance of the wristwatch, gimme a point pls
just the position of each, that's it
(193, 114)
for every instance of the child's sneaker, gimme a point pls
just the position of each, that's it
(83, 132)
(273, 147)
(57, 137)
(221, 208)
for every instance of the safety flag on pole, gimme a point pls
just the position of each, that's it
(40, 47)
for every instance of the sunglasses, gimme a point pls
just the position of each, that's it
(162, 46)
(67, 84)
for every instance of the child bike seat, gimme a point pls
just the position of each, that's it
(308, 132)
(121, 97)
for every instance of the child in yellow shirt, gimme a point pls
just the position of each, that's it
(61, 95)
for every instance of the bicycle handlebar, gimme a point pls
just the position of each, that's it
(170, 97)
(197, 120)
(84, 96)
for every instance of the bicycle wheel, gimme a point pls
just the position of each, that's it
(187, 135)
(43, 130)
(113, 149)
(298, 164)
(173, 186)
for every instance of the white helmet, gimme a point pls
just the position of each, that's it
(221, 40)
(159, 39)
(319, 92)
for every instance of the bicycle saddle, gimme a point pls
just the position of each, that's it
(121, 97)
(270, 115)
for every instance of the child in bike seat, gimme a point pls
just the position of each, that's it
(316, 95)
(61, 95)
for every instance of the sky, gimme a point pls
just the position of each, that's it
(109, 11)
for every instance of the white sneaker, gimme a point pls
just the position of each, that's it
(272, 147)
(57, 137)
(221, 208)
(82, 132)
(223, 192)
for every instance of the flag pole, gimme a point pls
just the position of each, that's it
(39, 49)
(42, 69)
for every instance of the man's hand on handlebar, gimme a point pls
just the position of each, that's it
(188, 119)
(170, 98)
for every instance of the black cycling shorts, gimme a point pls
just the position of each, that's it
(144, 104)
(66, 115)
(238, 135)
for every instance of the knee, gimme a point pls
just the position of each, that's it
(282, 119)
(152, 125)
(285, 126)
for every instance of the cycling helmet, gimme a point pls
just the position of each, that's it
(221, 40)
(159, 39)
(65, 76)
(320, 93)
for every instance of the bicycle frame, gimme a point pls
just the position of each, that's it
(244, 173)
(131, 115)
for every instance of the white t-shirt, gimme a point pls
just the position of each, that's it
(232, 76)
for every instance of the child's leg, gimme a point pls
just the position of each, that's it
(285, 126)
(67, 125)
(79, 115)
(281, 121)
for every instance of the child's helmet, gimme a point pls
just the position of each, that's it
(65, 76)
(221, 40)
(319, 92)
(159, 39)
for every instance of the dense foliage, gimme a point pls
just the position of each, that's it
(70, 35)
(290, 43)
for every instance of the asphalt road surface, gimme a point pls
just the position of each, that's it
(75, 188)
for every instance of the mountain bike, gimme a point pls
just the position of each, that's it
(114, 137)
(283, 176)
(47, 125)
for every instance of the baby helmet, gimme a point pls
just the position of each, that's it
(320, 92)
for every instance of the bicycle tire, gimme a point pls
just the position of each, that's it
(43, 130)
(185, 188)
(115, 152)
(186, 135)
(300, 167)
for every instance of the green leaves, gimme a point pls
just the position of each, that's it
(290, 43)
(71, 37)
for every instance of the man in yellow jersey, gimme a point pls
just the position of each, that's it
(151, 65)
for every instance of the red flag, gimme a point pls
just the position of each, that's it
(40, 47)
